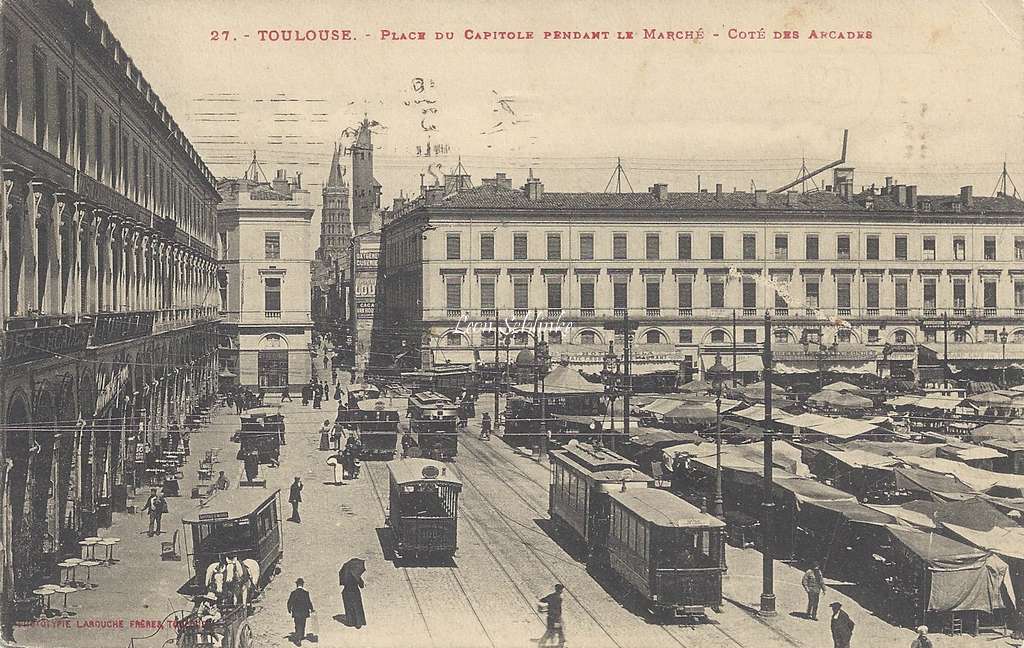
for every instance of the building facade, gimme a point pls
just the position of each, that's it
(107, 292)
(331, 266)
(854, 281)
(365, 188)
(263, 229)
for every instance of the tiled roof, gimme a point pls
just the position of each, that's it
(492, 197)
(499, 198)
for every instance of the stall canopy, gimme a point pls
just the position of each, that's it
(990, 398)
(962, 577)
(936, 486)
(844, 429)
(974, 513)
(654, 437)
(946, 403)
(854, 458)
(685, 413)
(563, 381)
(745, 363)
(1001, 431)
(906, 400)
(845, 358)
(894, 448)
(978, 479)
(965, 452)
(804, 420)
(840, 400)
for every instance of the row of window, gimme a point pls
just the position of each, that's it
(130, 169)
(684, 292)
(746, 336)
(717, 249)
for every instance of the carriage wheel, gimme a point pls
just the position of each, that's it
(244, 637)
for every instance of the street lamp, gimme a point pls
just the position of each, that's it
(824, 351)
(1003, 335)
(718, 373)
(610, 373)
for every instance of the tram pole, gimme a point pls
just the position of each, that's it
(768, 568)
(627, 347)
(498, 382)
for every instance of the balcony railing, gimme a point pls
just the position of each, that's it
(871, 311)
(1018, 312)
(25, 344)
(844, 311)
(749, 312)
(454, 313)
(619, 312)
(272, 314)
(781, 312)
(554, 312)
(117, 327)
(959, 311)
(488, 312)
(587, 312)
(653, 312)
(990, 311)
(685, 312)
(520, 312)
(902, 311)
(929, 311)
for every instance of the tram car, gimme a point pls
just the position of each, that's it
(423, 508)
(242, 523)
(377, 422)
(262, 429)
(450, 380)
(434, 419)
(231, 630)
(358, 392)
(522, 422)
(582, 476)
(666, 551)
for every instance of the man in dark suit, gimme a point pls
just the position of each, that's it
(295, 496)
(842, 626)
(300, 607)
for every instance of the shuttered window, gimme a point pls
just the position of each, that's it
(453, 294)
(586, 247)
(554, 247)
(619, 246)
(519, 246)
(587, 294)
(487, 247)
(454, 247)
(487, 294)
(652, 247)
(520, 293)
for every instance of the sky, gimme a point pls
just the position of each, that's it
(935, 97)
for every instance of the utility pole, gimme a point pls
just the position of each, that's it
(734, 378)
(945, 348)
(767, 567)
(498, 382)
(627, 345)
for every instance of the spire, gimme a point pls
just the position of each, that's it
(337, 174)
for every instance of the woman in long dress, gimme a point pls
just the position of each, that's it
(352, 598)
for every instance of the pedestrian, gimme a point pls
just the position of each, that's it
(238, 402)
(408, 442)
(222, 482)
(295, 496)
(350, 578)
(814, 585)
(325, 435)
(337, 392)
(317, 396)
(553, 601)
(922, 640)
(261, 397)
(306, 394)
(842, 626)
(251, 461)
(156, 505)
(300, 607)
(485, 427)
(285, 396)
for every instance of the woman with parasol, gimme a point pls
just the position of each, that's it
(350, 578)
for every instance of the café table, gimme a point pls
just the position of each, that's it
(88, 546)
(65, 590)
(70, 564)
(47, 591)
(89, 564)
(108, 544)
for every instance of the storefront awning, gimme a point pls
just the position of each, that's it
(745, 363)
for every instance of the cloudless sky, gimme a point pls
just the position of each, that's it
(935, 97)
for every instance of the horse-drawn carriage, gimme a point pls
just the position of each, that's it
(262, 430)
(232, 544)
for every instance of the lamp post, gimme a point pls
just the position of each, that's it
(610, 373)
(718, 373)
(1003, 335)
(768, 521)
(824, 351)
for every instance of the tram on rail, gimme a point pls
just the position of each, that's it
(653, 543)
(377, 423)
(434, 420)
(423, 508)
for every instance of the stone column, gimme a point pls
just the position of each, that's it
(47, 253)
(66, 228)
(90, 271)
(16, 197)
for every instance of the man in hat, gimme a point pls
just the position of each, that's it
(922, 640)
(554, 604)
(156, 506)
(300, 607)
(295, 496)
(814, 585)
(842, 626)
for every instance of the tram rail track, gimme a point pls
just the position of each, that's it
(460, 585)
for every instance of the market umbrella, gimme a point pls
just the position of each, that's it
(990, 398)
(351, 572)
(841, 400)
(689, 413)
(697, 386)
(842, 386)
(755, 391)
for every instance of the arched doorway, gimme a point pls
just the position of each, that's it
(272, 361)
(18, 431)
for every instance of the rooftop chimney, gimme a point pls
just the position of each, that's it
(660, 191)
(901, 195)
(967, 195)
(399, 205)
(280, 183)
(718, 190)
(888, 184)
(534, 188)
(791, 198)
(433, 195)
(281, 174)
(912, 196)
(761, 197)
